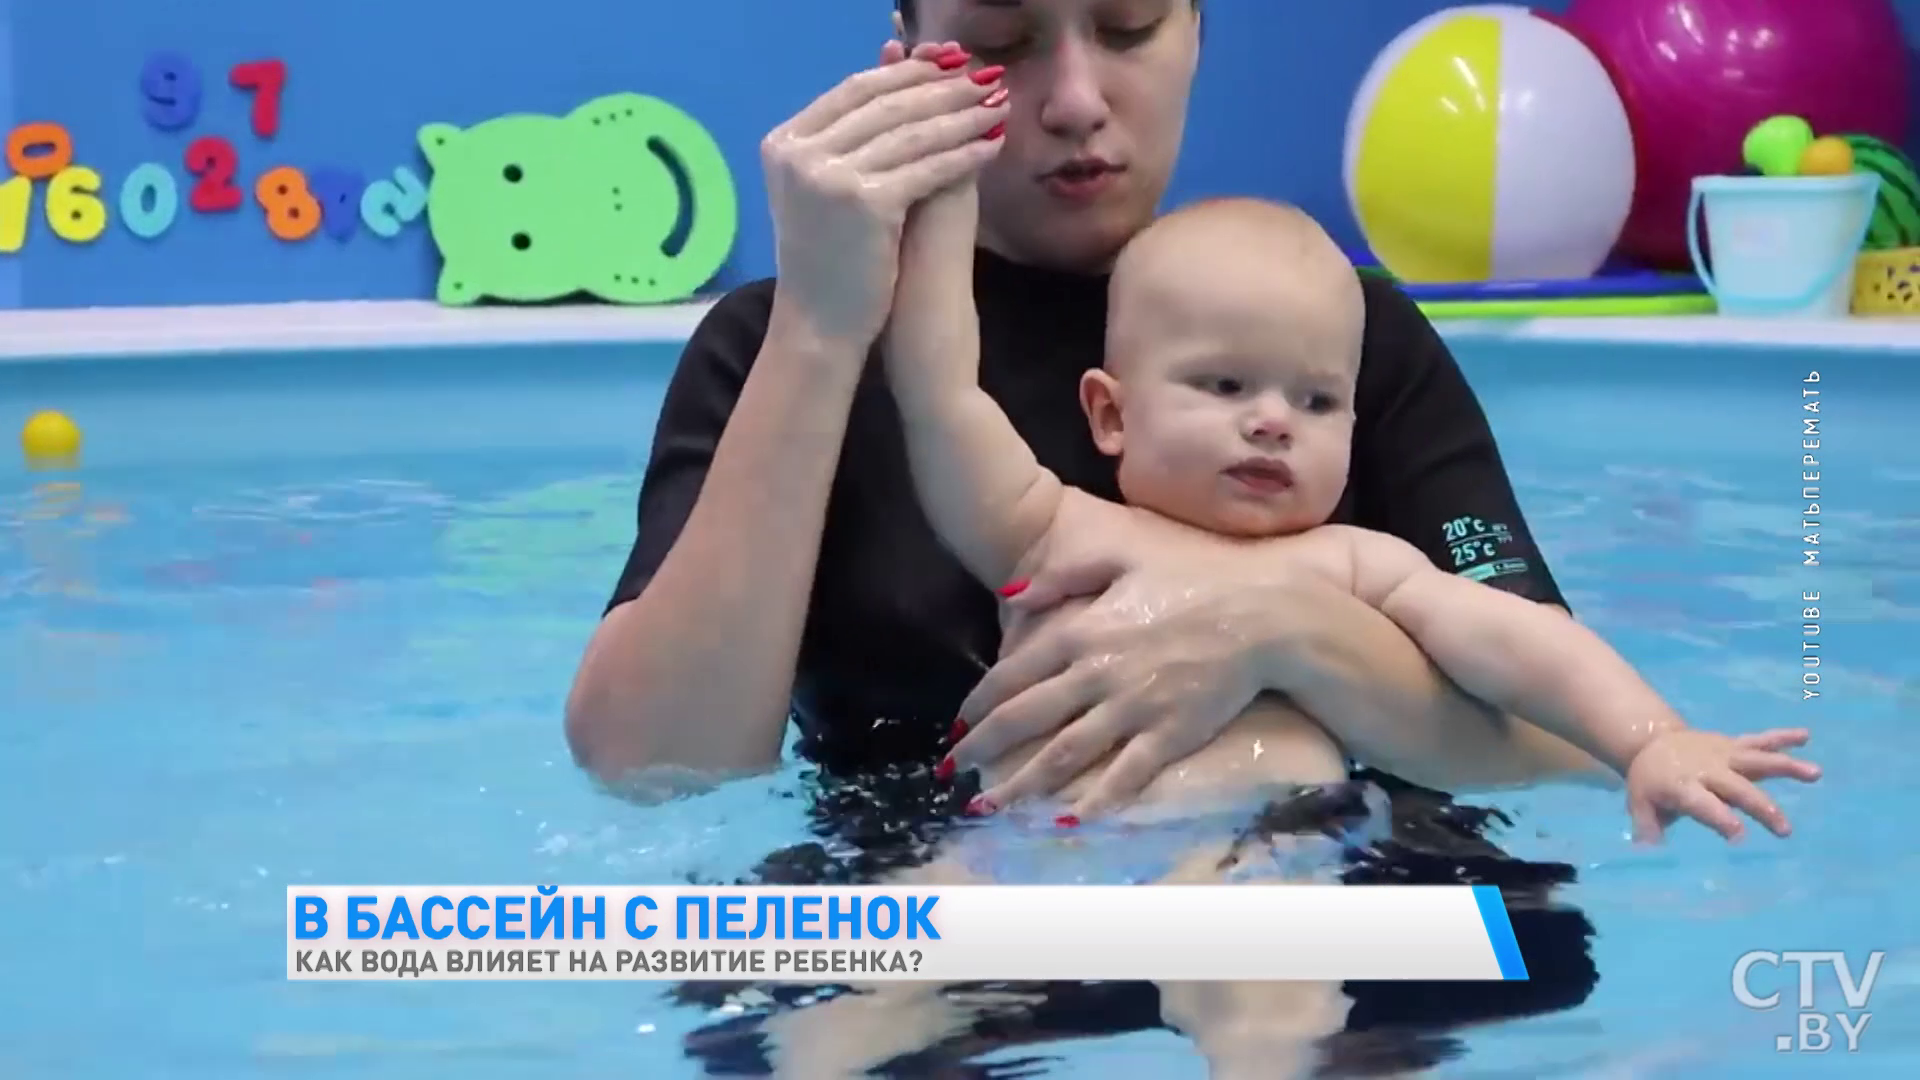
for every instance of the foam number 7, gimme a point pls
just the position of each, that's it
(265, 79)
(387, 205)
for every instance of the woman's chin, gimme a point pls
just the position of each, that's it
(1083, 240)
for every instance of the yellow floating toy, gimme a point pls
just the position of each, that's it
(50, 440)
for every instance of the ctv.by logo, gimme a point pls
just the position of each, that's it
(1813, 1033)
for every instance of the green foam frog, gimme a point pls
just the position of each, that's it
(526, 207)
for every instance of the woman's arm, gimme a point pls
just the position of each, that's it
(693, 665)
(697, 669)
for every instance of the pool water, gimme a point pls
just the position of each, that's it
(311, 618)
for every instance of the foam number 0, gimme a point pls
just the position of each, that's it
(16, 199)
(388, 205)
(149, 182)
(74, 210)
(52, 140)
(292, 211)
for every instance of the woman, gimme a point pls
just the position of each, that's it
(782, 561)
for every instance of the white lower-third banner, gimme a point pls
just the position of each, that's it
(975, 933)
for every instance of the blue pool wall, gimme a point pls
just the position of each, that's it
(364, 75)
(1689, 401)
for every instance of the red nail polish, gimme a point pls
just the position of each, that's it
(995, 99)
(1067, 821)
(950, 61)
(979, 806)
(959, 732)
(1012, 588)
(986, 75)
(944, 770)
(995, 132)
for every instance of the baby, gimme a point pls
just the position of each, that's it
(1233, 349)
(1227, 399)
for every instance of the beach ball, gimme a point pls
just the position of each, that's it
(1697, 75)
(1488, 144)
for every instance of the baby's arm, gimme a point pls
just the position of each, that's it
(1521, 657)
(979, 484)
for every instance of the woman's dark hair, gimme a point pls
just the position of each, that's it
(907, 12)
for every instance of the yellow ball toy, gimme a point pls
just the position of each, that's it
(50, 439)
(1826, 157)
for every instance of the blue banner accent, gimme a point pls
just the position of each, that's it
(1506, 949)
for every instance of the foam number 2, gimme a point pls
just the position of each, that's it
(74, 210)
(170, 91)
(149, 183)
(388, 205)
(212, 160)
(292, 211)
(338, 191)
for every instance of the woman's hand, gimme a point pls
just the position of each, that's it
(843, 173)
(1163, 660)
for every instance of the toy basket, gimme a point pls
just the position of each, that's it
(1887, 282)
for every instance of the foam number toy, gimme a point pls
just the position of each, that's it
(74, 210)
(292, 211)
(386, 206)
(528, 208)
(170, 91)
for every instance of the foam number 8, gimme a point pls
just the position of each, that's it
(149, 181)
(387, 205)
(74, 210)
(292, 211)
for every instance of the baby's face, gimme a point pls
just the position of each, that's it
(1228, 396)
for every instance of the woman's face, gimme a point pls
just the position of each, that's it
(1098, 99)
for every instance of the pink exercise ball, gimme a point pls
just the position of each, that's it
(1696, 75)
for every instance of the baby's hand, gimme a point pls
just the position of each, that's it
(1702, 775)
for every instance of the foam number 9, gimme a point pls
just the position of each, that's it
(170, 91)
(74, 210)
(387, 205)
(292, 211)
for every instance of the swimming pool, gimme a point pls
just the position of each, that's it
(310, 617)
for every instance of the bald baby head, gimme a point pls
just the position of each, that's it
(1233, 353)
(1242, 274)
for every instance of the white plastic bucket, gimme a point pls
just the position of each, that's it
(1783, 247)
